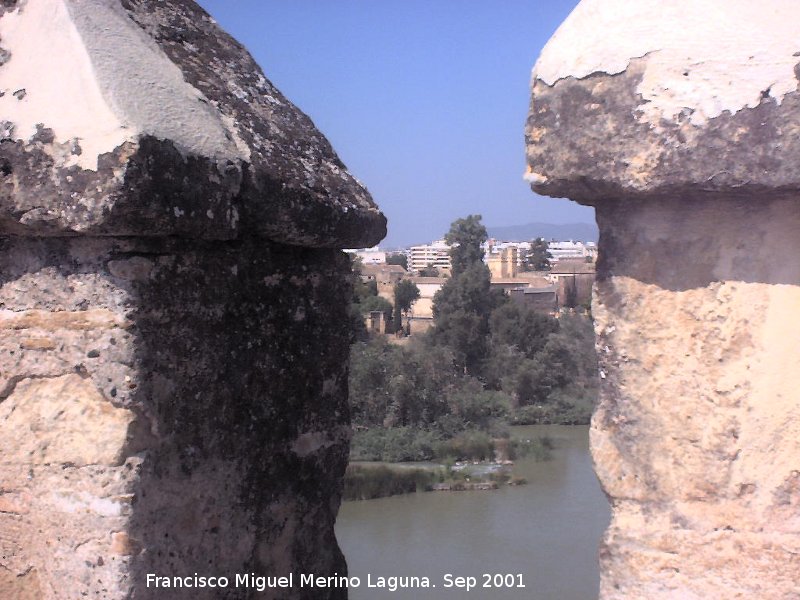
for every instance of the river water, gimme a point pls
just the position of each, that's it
(545, 534)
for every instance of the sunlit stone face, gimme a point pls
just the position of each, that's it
(678, 122)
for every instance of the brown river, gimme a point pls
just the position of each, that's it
(534, 542)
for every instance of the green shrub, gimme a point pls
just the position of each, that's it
(394, 444)
(538, 448)
(364, 482)
(469, 445)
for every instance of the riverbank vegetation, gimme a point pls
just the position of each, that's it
(366, 481)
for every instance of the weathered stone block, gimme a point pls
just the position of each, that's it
(173, 323)
(677, 122)
(62, 419)
(139, 83)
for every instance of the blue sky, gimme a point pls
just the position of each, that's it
(424, 101)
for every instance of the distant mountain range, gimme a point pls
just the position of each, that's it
(584, 232)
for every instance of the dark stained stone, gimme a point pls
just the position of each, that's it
(276, 177)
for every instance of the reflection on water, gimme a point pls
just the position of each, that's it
(548, 531)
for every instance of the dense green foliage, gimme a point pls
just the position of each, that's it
(571, 292)
(538, 257)
(397, 258)
(429, 271)
(414, 385)
(405, 293)
(407, 401)
(364, 482)
(394, 444)
(376, 303)
(461, 308)
(414, 402)
(522, 328)
(465, 238)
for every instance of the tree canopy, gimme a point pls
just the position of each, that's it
(522, 328)
(405, 293)
(364, 300)
(429, 271)
(465, 238)
(397, 258)
(538, 257)
(461, 308)
(376, 303)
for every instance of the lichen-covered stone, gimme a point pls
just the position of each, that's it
(678, 122)
(138, 83)
(690, 99)
(208, 375)
(173, 323)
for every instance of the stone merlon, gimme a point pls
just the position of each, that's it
(96, 92)
(174, 335)
(679, 121)
(658, 98)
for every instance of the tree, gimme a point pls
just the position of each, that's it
(377, 303)
(363, 300)
(361, 289)
(464, 331)
(429, 271)
(465, 238)
(538, 257)
(405, 293)
(521, 327)
(358, 329)
(551, 369)
(370, 364)
(397, 258)
(461, 308)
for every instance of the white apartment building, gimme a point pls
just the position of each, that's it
(436, 254)
(369, 256)
(498, 254)
(571, 250)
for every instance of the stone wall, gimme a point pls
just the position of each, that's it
(173, 324)
(682, 136)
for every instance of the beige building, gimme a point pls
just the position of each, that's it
(504, 263)
(386, 276)
(574, 280)
(541, 299)
(421, 313)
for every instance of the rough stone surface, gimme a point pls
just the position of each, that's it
(593, 131)
(72, 421)
(173, 327)
(696, 439)
(697, 436)
(159, 422)
(234, 155)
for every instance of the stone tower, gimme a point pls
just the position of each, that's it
(173, 323)
(678, 121)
